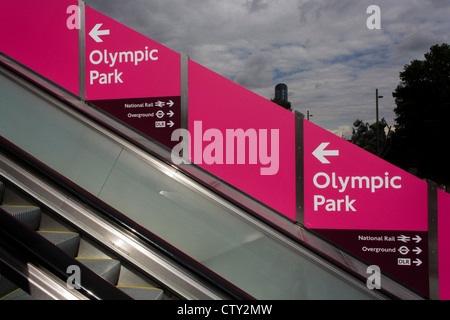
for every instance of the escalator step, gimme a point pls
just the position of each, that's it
(66, 241)
(143, 293)
(6, 286)
(29, 215)
(17, 294)
(109, 269)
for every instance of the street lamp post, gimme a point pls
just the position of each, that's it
(378, 127)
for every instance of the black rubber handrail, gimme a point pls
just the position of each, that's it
(30, 247)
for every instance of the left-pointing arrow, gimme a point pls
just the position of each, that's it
(96, 32)
(320, 153)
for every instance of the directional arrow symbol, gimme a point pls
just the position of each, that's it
(96, 32)
(417, 262)
(320, 153)
(170, 103)
(170, 124)
(417, 239)
(417, 250)
(170, 113)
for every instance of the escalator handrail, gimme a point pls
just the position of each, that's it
(27, 244)
(61, 182)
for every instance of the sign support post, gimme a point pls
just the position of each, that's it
(299, 169)
(82, 49)
(433, 256)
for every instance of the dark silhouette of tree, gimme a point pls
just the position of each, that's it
(422, 132)
(365, 136)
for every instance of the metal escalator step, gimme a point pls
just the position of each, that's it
(109, 269)
(6, 286)
(143, 293)
(66, 241)
(29, 215)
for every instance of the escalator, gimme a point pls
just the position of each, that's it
(208, 246)
(76, 245)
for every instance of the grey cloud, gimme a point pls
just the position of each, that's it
(256, 5)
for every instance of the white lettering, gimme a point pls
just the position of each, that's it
(323, 180)
(238, 147)
(136, 57)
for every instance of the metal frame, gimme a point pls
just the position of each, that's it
(82, 50)
(299, 169)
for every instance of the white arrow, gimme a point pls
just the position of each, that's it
(170, 124)
(170, 103)
(170, 113)
(417, 262)
(320, 153)
(417, 239)
(95, 32)
(417, 250)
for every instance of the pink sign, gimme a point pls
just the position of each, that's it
(444, 244)
(349, 188)
(43, 35)
(122, 63)
(367, 206)
(242, 138)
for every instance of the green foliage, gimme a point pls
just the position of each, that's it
(365, 136)
(422, 114)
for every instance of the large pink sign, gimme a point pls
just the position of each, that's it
(132, 77)
(242, 138)
(367, 206)
(122, 63)
(43, 35)
(349, 188)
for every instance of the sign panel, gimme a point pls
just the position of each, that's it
(155, 117)
(132, 77)
(242, 138)
(367, 206)
(43, 35)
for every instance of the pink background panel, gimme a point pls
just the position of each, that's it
(444, 244)
(35, 33)
(160, 78)
(221, 104)
(386, 209)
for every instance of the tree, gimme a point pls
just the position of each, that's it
(365, 136)
(423, 110)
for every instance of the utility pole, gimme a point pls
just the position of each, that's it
(378, 127)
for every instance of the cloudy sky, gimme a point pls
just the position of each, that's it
(322, 49)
